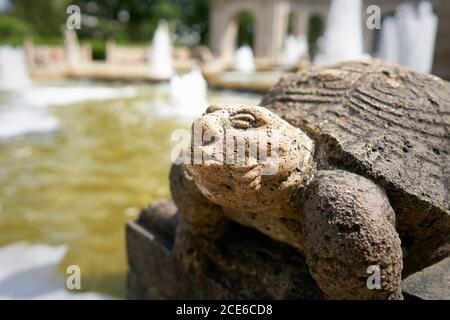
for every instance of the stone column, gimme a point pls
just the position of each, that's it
(110, 48)
(72, 47)
(223, 30)
(30, 53)
(386, 7)
(261, 36)
(271, 30)
(369, 40)
(300, 23)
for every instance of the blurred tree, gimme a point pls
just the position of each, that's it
(12, 28)
(246, 29)
(316, 29)
(121, 20)
(137, 19)
(195, 16)
(45, 16)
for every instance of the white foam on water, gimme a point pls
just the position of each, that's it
(13, 69)
(408, 38)
(53, 96)
(161, 52)
(343, 38)
(188, 95)
(28, 114)
(428, 22)
(31, 272)
(294, 49)
(244, 59)
(22, 122)
(389, 44)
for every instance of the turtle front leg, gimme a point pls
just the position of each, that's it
(200, 215)
(350, 238)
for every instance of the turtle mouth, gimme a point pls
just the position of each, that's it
(206, 155)
(207, 141)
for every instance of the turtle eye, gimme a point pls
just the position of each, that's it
(243, 120)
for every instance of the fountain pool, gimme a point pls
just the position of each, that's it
(295, 48)
(408, 38)
(243, 59)
(188, 94)
(78, 185)
(343, 38)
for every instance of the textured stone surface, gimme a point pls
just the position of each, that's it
(441, 64)
(155, 274)
(255, 191)
(266, 183)
(432, 283)
(201, 216)
(364, 169)
(390, 125)
(152, 268)
(242, 265)
(349, 226)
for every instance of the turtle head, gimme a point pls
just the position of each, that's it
(243, 157)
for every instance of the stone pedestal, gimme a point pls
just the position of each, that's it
(167, 262)
(432, 283)
(152, 269)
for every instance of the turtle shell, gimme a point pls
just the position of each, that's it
(386, 123)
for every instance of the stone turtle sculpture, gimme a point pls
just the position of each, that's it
(362, 174)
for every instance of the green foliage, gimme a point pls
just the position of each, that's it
(246, 30)
(13, 30)
(120, 20)
(44, 16)
(48, 41)
(12, 27)
(143, 15)
(316, 29)
(98, 49)
(195, 13)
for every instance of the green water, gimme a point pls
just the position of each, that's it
(80, 186)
